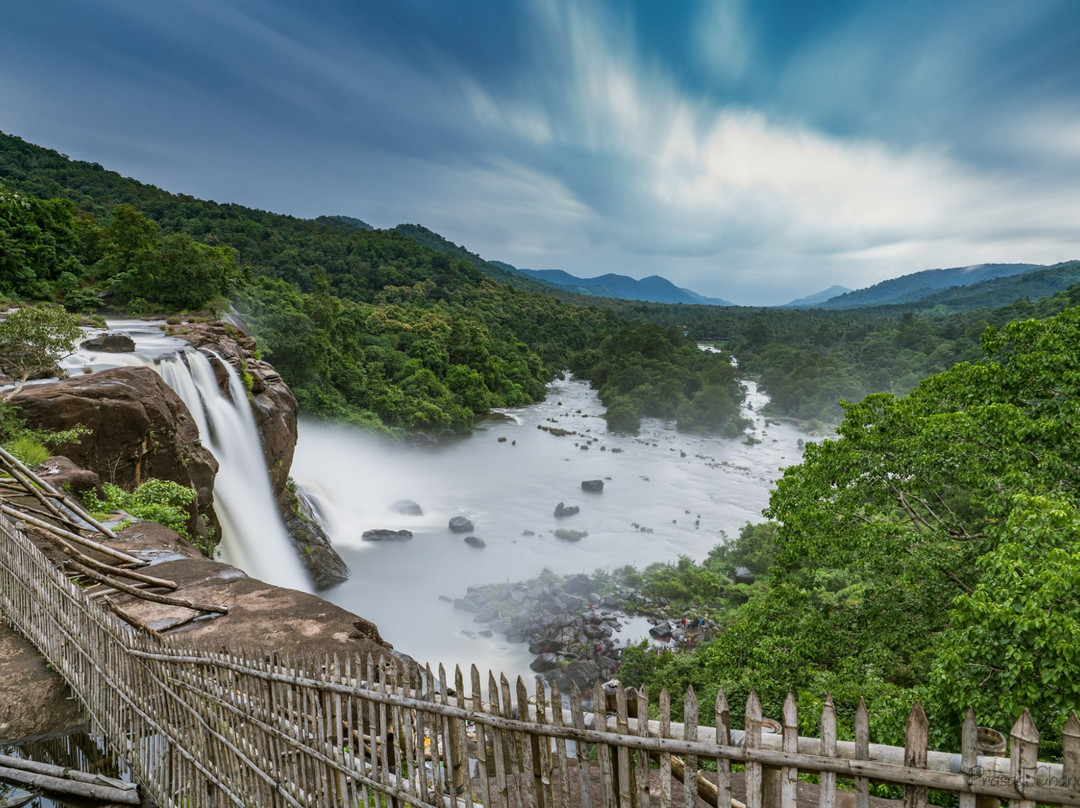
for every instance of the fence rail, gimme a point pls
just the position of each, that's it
(245, 728)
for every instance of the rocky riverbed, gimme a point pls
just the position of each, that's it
(576, 626)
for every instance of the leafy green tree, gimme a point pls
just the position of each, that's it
(33, 340)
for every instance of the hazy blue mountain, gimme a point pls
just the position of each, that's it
(1033, 285)
(653, 289)
(918, 285)
(816, 299)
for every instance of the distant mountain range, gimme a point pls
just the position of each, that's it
(953, 289)
(815, 300)
(653, 289)
(919, 285)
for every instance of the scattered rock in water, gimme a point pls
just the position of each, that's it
(744, 576)
(556, 431)
(584, 447)
(502, 439)
(446, 598)
(407, 507)
(615, 450)
(661, 631)
(487, 632)
(475, 541)
(570, 535)
(545, 663)
(592, 486)
(563, 510)
(383, 534)
(528, 533)
(461, 524)
(110, 343)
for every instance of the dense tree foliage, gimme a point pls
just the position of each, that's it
(367, 325)
(930, 550)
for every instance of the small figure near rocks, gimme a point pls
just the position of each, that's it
(563, 510)
(383, 534)
(460, 524)
(475, 541)
(407, 507)
(592, 486)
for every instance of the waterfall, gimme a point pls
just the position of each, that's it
(252, 535)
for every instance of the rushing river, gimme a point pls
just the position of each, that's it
(665, 494)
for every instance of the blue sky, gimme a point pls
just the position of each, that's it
(755, 151)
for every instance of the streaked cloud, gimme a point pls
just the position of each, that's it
(756, 152)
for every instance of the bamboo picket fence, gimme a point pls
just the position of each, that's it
(198, 728)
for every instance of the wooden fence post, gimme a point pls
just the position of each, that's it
(1070, 741)
(789, 775)
(862, 752)
(827, 790)
(753, 741)
(1024, 751)
(915, 740)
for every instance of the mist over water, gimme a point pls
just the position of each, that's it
(665, 494)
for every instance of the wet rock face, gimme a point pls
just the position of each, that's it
(272, 402)
(382, 534)
(139, 428)
(110, 343)
(460, 524)
(275, 410)
(61, 473)
(324, 566)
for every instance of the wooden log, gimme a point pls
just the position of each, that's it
(915, 740)
(704, 789)
(62, 785)
(168, 600)
(65, 772)
(141, 625)
(71, 536)
(70, 503)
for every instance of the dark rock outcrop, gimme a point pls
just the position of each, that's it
(460, 524)
(383, 534)
(61, 473)
(475, 541)
(110, 343)
(592, 486)
(562, 510)
(139, 428)
(407, 507)
(324, 566)
(275, 409)
(743, 575)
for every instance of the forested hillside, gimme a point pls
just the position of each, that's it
(931, 551)
(365, 325)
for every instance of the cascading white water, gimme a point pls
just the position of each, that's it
(252, 535)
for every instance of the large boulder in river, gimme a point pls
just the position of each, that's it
(407, 507)
(592, 486)
(110, 342)
(382, 534)
(460, 524)
(139, 428)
